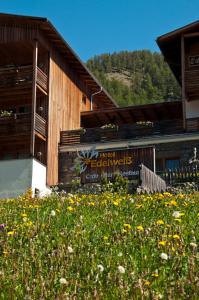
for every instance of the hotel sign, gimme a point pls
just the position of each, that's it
(97, 164)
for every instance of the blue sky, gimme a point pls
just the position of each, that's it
(104, 26)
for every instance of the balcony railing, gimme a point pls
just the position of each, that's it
(128, 131)
(42, 79)
(40, 125)
(14, 77)
(15, 125)
(20, 76)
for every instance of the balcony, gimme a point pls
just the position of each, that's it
(20, 78)
(128, 131)
(18, 125)
(15, 125)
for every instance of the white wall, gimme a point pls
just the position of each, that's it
(19, 175)
(39, 178)
(192, 109)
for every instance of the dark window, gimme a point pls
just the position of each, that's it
(172, 164)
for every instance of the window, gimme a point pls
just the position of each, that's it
(172, 163)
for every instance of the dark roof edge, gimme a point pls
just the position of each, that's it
(176, 31)
(142, 106)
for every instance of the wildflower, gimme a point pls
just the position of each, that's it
(177, 214)
(172, 203)
(2, 226)
(23, 215)
(155, 274)
(176, 237)
(160, 222)
(164, 256)
(70, 249)
(147, 282)
(121, 269)
(11, 232)
(100, 268)
(105, 238)
(70, 208)
(115, 203)
(127, 226)
(140, 228)
(162, 243)
(62, 281)
(53, 213)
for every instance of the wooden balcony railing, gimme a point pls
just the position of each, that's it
(40, 125)
(15, 125)
(42, 79)
(128, 131)
(14, 77)
(20, 76)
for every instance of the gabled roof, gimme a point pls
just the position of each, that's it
(65, 50)
(170, 45)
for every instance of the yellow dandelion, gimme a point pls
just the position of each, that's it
(147, 282)
(162, 243)
(11, 233)
(70, 208)
(160, 222)
(23, 215)
(127, 226)
(115, 203)
(140, 228)
(176, 237)
(154, 275)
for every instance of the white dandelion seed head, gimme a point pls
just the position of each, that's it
(176, 214)
(164, 256)
(70, 249)
(121, 269)
(63, 281)
(53, 213)
(100, 268)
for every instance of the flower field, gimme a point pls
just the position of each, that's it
(106, 246)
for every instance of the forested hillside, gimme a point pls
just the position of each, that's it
(135, 77)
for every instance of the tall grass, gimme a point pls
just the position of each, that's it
(106, 246)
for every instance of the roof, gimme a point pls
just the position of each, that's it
(170, 46)
(62, 46)
(132, 114)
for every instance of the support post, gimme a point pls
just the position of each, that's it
(34, 97)
(183, 81)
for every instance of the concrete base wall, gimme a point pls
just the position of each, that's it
(19, 175)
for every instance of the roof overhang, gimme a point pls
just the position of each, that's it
(65, 50)
(170, 46)
(132, 114)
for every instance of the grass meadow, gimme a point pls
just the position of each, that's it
(107, 246)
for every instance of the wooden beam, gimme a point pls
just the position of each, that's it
(34, 96)
(183, 81)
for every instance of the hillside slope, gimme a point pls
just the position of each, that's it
(136, 77)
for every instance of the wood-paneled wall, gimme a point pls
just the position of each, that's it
(64, 110)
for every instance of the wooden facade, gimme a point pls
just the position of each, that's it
(44, 86)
